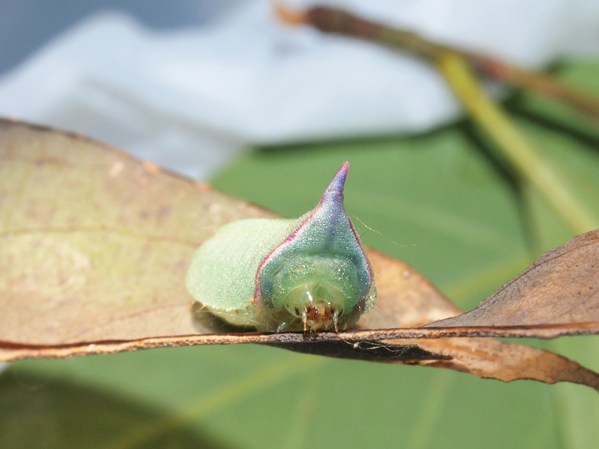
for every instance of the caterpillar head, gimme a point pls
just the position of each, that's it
(319, 275)
(317, 291)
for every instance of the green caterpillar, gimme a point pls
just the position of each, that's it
(308, 274)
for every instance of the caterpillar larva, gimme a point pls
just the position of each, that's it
(307, 274)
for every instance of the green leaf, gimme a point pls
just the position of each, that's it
(442, 202)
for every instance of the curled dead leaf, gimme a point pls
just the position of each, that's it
(561, 289)
(94, 246)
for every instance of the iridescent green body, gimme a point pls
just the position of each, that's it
(286, 275)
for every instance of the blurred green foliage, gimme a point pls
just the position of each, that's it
(445, 203)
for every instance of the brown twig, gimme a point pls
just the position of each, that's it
(455, 65)
(330, 20)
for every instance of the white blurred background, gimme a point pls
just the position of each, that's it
(188, 84)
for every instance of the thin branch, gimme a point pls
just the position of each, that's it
(330, 20)
(454, 65)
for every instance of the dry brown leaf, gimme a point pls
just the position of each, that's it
(561, 288)
(94, 246)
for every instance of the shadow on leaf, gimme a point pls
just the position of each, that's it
(48, 414)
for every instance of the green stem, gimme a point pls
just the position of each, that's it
(537, 171)
(331, 20)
